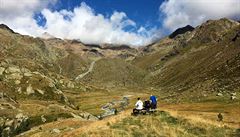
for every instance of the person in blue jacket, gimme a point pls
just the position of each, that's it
(153, 102)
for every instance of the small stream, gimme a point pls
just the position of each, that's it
(113, 107)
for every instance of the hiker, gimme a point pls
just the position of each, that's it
(153, 102)
(147, 105)
(220, 117)
(139, 106)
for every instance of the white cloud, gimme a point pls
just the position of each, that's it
(18, 15)
(84, 24)
(14, 8)
(81, 23)
(179, 13)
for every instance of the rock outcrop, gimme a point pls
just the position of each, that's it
(11, 127)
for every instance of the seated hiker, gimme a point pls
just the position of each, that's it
(139, 106)
(153, 102)
(147, 105)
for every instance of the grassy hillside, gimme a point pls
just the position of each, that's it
(202, 62)
(160, 124)
(115, 73)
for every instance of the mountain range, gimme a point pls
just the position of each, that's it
(189, 65)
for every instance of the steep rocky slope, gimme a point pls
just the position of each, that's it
(203, 61)
(30, 78)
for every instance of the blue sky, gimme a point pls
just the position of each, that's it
(143, 12)
(131, 22)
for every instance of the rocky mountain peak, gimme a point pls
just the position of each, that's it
(5, 27)
(181, 31)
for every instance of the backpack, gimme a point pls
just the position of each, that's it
(147, 104)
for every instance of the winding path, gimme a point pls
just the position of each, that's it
(85, 73)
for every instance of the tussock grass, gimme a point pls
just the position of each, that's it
(161, 124)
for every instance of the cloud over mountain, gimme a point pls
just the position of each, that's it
(81, 23)
(179, 13)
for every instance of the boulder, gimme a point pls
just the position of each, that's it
(2, 121)
(9, 123)
(77, 116)
(17, 82)
(70, 84)
(6, 132)
(19, 90)
(27, 74)
(12, 70)
(25, 70)
(40, 91)
(43, 119)
(55, 130)
(2, 70)
(219, 94)
(88, 116)
(3, 63)
(14, 126)
(20, 116)
(51, 84)
(14, 76)
(61, 81)
(59, 92)
(233, 97)
(37, 73)
(234, 94)
(30, 90)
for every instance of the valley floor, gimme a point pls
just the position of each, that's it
(171, 120)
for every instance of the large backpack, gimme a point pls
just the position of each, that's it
(147, 104)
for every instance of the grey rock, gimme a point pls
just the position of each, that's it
(55, 130)
(6, 132)
(43, 119)
(20, 116)
(40, 91)
(233, 97)
(77, 116)
(27, 74)
(9, 123)
(2, 70)
(219, 94)
(13, 70)
(88, 116)
(30, 90)
(19, 90)
(19, 123)
(17, 82)
(70, 84)
(234, 94)
(14, 76)
(25, 70)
